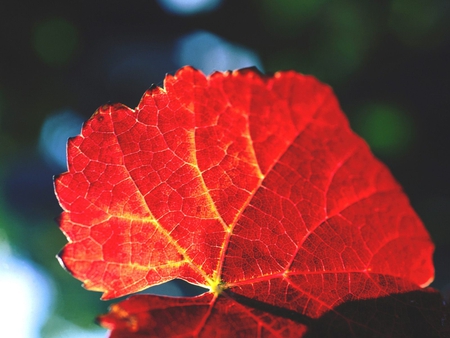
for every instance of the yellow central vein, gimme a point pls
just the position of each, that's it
(194, 165)
(230, 229)
(262, 177)
(214, 280)
(152, 218)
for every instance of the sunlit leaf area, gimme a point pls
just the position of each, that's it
(387, 62)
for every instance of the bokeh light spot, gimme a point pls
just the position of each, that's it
(55, 131)
(58, 327)
(55, 41)
(416, 22)
(189, 7)
(387, 129)
(337, 45)
(285, 17)
(208, 52)
(343, 46)
(26, 296)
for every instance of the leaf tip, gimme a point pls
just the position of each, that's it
(60, 259)
(251, 69)
(428, 282)
(118, 320)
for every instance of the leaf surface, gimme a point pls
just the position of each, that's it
(254, 187)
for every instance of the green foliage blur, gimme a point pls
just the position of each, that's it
(388, 62)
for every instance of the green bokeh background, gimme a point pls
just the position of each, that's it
(388, 62)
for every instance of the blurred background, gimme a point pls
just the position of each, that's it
(387, 60)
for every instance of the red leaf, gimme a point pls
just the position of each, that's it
(413, 314)
(205, 315)
(254, 187)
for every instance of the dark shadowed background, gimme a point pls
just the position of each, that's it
(388, 62)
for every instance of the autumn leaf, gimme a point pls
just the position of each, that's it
(253, 187)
